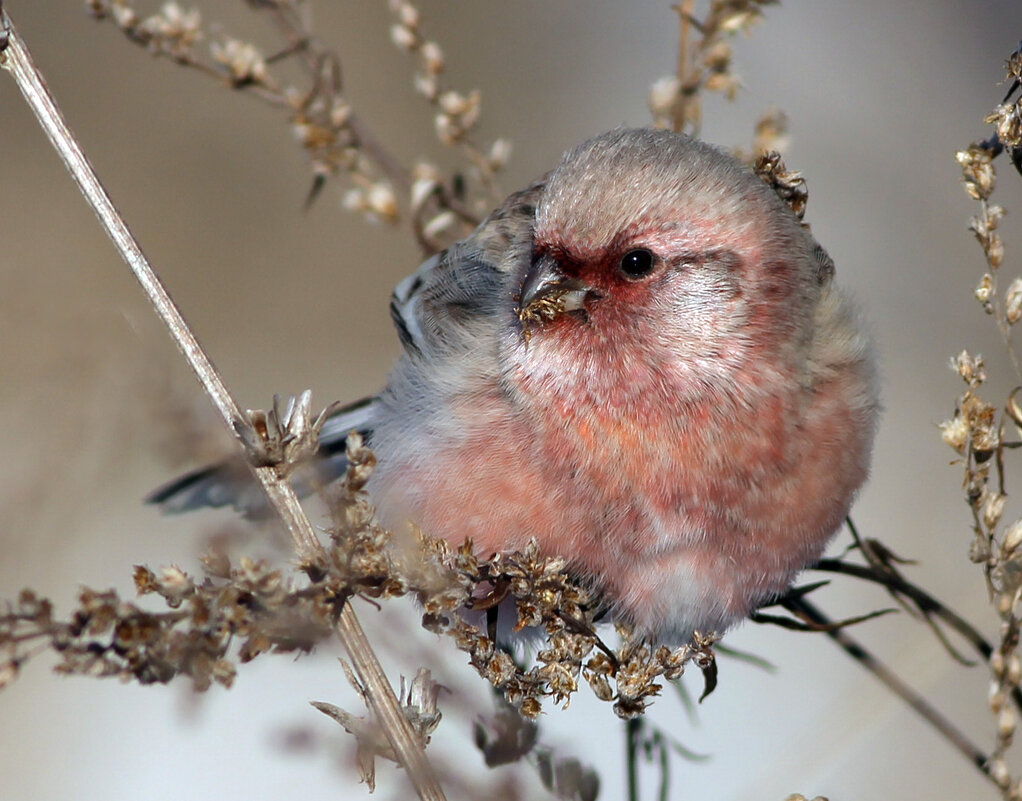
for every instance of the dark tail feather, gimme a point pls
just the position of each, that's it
(230, 483)
(214, 486)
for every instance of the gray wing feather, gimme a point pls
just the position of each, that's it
(451, 304)
(437, 308)
(230, 483)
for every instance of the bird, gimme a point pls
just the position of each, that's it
(641, 361)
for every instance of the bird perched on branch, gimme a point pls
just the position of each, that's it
(643, 362)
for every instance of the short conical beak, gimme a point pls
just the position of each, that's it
(547, 292)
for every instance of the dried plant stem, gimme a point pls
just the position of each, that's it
(14, 56)
(929, 606)
(813, 616)
(684, 10)
(296, 33)
(633, 727)
(989, 222)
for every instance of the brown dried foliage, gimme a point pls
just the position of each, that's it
(979, 433)
(235, 613)
(704, 61)
(337, 141)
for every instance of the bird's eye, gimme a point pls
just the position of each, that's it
(637, 264)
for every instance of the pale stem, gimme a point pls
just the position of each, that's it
(14, 57)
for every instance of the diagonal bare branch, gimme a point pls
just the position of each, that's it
(15, 57)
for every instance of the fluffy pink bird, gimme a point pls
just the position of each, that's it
(643, 362)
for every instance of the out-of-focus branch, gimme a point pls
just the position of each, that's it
(814, 618)
(703, 62)
(925, 603)
(880, 569)
(16, 59)
(337, 140)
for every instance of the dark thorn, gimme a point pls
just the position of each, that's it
(491, 622)
(709, 679)
(318, 182)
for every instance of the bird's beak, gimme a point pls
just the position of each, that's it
(547, 292)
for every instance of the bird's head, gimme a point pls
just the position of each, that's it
(658, 246)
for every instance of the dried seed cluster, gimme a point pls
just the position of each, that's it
(237, 612)
(437, 207)
(704, 61)
(286, 435)
(1007, 115)
(335, 139)
(977, 433)
(418, 704)
(319, 113)
(788, 184)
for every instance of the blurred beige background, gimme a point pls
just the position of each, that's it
(879, 95)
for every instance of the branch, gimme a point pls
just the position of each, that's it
(14, 57)
(929, 607)
(809, 613)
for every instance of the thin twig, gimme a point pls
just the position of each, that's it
(925, 602)
(319, 58)
(633, 727)
(16, 59)
(812, 615)
(685, 20)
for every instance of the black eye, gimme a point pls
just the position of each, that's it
(637, 263)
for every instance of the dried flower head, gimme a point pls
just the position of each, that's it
(788, 184)
(242, 60)
(1013, 301)
(977, 171)
(173, 29)
(705, 62)
(418, 704)
(285, 436)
